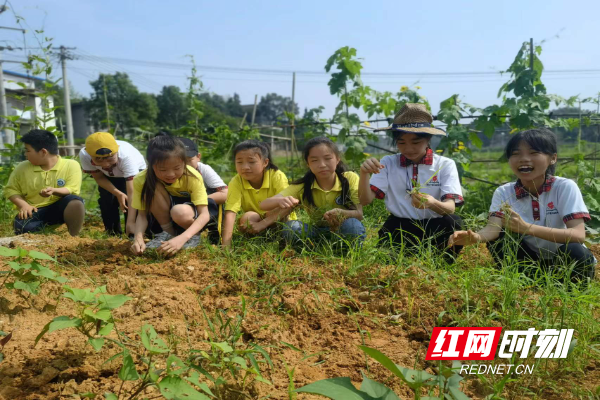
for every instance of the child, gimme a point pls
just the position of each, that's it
(326, 186)
(546, 212)
(414, 215)
(215, 187)
(45, 188)
(113, 164)
(172, 192)
(257, 179)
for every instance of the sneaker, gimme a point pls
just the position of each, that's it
(158, 239)
(193, 242)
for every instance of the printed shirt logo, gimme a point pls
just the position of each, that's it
(339, 201)
(186, 194)
(551, 210)
(433, 181)
(60, 182)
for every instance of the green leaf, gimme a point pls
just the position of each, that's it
(17, 267)
(102, 314)
(110, 396)
(377, 390)
(173, 387)
(57, 323)
(240, 361)
(31, 287)
(151, 341)
(106, 329)
(87, 395)
(128, 371)
(225, 348)
(174, 361)
(336, 389)
(40, 270)
(96, 343)
(457, 394)
(79, 295)
(112, 301)
(39, 256)
(195, 379)
(6, 252)
(475, 139)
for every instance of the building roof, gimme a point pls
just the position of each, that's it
(22, 75)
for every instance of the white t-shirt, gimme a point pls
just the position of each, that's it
(130, 162)
(559, 202)
(212, 180)
(393, 181)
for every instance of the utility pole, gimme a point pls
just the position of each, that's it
(293, 144)
(254, 109)
(3, 108)
(106, 103)
(63, 60)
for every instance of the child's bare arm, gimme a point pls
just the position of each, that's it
(227, 231)
(219, 197)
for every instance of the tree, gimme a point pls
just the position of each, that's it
(172, 108)
(273, 107)
(127, 106)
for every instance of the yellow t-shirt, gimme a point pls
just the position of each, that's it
(185, 186)
(27, 180)
(241, 196)
(327, 198)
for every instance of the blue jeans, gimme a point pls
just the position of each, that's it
(296, 231)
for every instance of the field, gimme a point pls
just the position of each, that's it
(308, 312)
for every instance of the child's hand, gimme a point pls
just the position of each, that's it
(422, 200)
(334, 217)
(47, 192)
(27, 211)
(138, 245)
(129, 228)
(172, 246)
(122, 198)
(287, 202)
(371, 166)
(463, 238)
(514, 222)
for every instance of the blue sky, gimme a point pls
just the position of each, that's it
(391, 36)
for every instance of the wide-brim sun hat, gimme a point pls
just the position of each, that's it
(413, 118)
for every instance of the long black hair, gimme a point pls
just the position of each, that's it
(309, 178)
(261, 148)
(539, 139)
(161, 148)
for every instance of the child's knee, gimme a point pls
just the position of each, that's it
(182, 214)
(352, 226)
(75, 206)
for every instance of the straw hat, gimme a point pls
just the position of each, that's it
(414, 118)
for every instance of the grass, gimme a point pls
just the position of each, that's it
(422, 290)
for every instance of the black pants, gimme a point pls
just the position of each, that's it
(412, 232)
(109, 206)
(565, 255)
(48, 215)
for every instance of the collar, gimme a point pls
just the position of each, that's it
(521, 192)
(427, 159)
(337, 186)
(265, 184)
(37, 168)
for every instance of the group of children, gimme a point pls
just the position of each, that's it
(176, 197)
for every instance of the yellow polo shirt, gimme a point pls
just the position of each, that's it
(327, 198)
(185, 186)
(27, 180)
(241, 196)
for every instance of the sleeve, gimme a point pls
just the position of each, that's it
(13, 186)
(294, 191)
(571, 202)
(353, 181)
(234, 195)
(128, 166)
(138, 185)
(496, 206)
(379, 182)
(195, 185)
(450, 188)
(86, 162)
(212, 180)
(73, 177)
(279, 181)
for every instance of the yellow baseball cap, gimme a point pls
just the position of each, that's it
(101, 144)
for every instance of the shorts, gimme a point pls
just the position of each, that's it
(52, 214)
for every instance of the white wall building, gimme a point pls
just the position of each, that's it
(22, 85)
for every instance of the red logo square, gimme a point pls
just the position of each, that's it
(551, 205)
(434, 178)
(478, 343)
